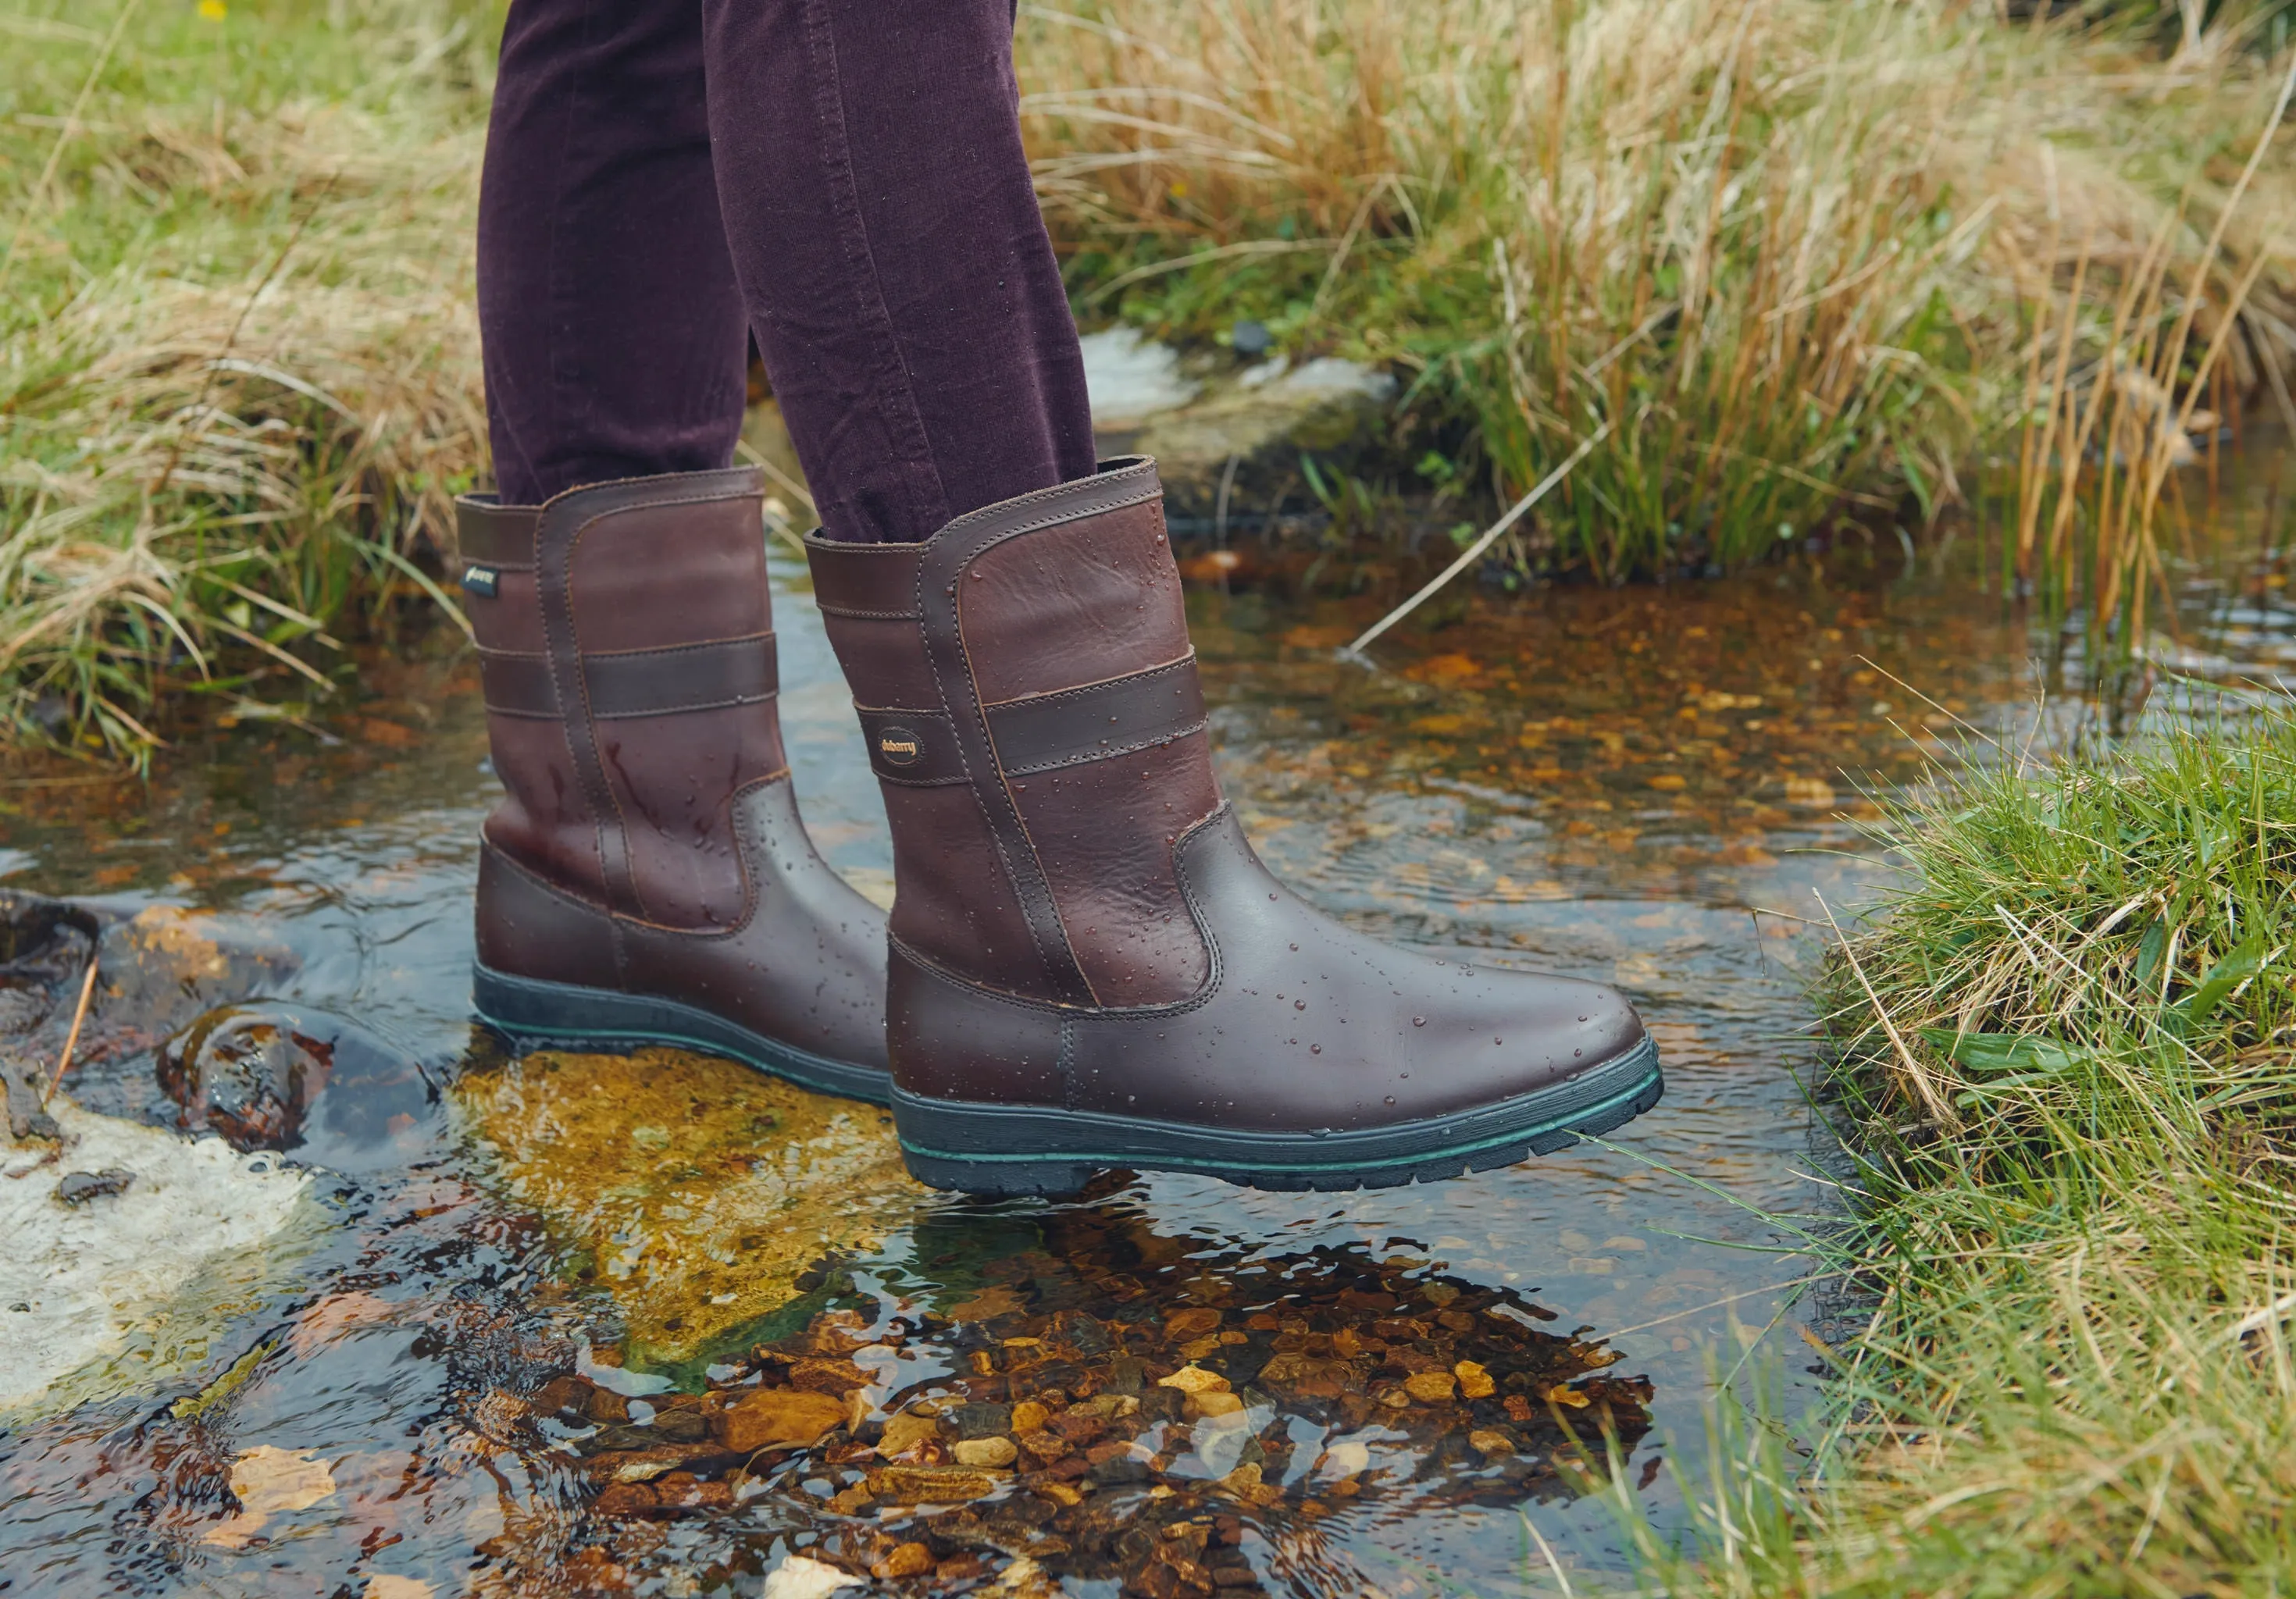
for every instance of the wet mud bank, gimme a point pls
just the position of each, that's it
(416, 1318)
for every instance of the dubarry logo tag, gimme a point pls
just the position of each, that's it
(480, 580)
(899, 747)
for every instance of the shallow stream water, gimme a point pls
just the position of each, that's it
(555, 1326)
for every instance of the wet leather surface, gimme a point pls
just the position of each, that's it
(673, 779)
(1307, 1027)
(806, 966)
(953, 900)
(1074, 603)
(648, 840)
(1105, 831)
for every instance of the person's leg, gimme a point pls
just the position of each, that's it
(608, 308)
(894, 262)
(646, 877)
(1088, 966)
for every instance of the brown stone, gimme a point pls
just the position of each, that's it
(781, 1415)
(906, 1560)
(1163, 1580)
(628, 1499)
(1191, 1323)
(1474, 1381)
(929, 1484)
(838, 1377)
(637, 1465)
(903, 1434)
(1077, 1427)
(1029, 1416)
(986, 1452)
(681, 1492)
(1194, 1379)
(1489, 1440)
(1045, 1447)
(562, 1396)
(1429, 1388)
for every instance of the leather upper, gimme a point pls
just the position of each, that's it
(647, 840)
(1078, 920)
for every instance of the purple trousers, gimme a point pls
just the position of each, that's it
(842, 178)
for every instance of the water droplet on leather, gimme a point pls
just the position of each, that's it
(1419, 1021)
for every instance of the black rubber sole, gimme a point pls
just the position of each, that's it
(1000, 1150)
(533, 1014)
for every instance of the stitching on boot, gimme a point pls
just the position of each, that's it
(956, 621)
(744, 840)
(1214, 978)
(590, 716)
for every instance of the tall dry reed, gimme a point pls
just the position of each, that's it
(1777, 246)
(2127, 360)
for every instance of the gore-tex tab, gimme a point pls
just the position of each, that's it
(481, 580)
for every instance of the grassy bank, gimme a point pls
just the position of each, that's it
(2067, 1051)
(1803, 259)
(238, 361)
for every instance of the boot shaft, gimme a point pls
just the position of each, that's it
(626, 641)
(1030, 702)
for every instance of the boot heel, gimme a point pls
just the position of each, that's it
(533, 1014)
(998, 1179)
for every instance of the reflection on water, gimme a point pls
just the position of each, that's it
(575, 1325)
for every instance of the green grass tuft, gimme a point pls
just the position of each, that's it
(2070, 1050)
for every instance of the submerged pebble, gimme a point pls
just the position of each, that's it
(302, 1082)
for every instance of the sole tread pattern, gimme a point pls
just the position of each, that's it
(1012, 1172)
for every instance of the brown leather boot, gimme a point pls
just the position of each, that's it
(646, 879)
(1090, 968)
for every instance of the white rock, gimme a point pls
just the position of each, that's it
(1330, 378)
(800, 1577)
(1130, 378)
(126, 1287)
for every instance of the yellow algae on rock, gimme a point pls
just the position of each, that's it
(701, 1190)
